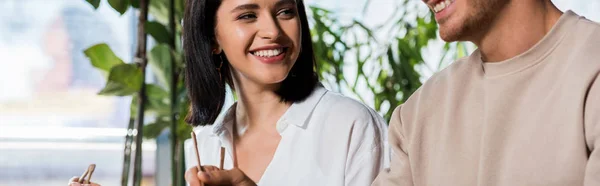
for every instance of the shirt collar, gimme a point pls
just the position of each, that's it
(297, 114)
(224, 121)
(561, 30)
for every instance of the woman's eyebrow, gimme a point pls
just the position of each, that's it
(254, 6)
(246, 7)
(285, 2)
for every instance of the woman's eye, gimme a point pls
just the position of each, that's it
(246, 16)
(287, 13)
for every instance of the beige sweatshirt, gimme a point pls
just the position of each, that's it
(533, 120)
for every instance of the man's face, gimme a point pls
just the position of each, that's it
(460, 19)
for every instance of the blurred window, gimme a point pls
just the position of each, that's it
(52, 122)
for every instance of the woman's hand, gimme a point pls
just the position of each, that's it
(75, 182)
(215, 176)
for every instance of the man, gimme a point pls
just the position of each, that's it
(523, 109)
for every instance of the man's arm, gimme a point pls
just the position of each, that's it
(592, 133)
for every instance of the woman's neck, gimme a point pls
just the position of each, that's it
(259, 107)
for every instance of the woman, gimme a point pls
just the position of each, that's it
(285, 128)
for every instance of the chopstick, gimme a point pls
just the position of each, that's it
(83, 175)
(88, 172)
(222, 158)
(200, 169)
(91, 169)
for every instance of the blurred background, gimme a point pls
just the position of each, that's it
(57, 115)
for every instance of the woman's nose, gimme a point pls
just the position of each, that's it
(269, 29)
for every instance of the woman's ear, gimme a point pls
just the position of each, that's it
(216, 47)
(217, 50)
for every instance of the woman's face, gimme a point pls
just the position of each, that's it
(261, 38)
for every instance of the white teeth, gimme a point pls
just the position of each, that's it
(441, 5)
(268, 53)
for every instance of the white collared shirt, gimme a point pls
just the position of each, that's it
(327, 139)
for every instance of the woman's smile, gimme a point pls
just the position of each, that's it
(270, 54)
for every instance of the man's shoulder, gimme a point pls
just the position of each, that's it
(587, 33)
(457, 72)
(443, 83)
(583, 46)
(435, 92)
(589, 25)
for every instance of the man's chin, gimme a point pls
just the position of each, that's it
(451, 30)
(448, 36)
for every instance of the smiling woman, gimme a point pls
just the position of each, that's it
(285, 129)
(246, 43)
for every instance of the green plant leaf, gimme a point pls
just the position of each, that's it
(119, 5)
(158, 99)
(135, 3)
(179, 8)
(94, 3)
(159, 32)
(461, 50)
(123, 80)
(160, 63)
(160, 10)
(405, 48)
(178, 56)
(183, 129)
(102, 57)
(153, 130)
